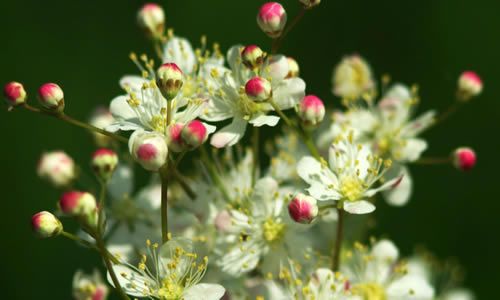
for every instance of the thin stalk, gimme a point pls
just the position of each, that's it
(280, 113)
(452, 109)
(212, 170)
(87, 244)
(277, 42)
(433, 161)
(310, 143)
(255, 147)
(182, 181)
(338, 241)
(102, 203)
(107, 261)
(157, 47)
(164, 176)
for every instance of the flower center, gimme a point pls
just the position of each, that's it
(158, 123)
(273, 230)
(170, 290)
(351, 187)
(370, 291)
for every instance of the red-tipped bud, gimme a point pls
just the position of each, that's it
(151, 18)
(149, 149)
(258, 89)
(104, 162)
(57, 167)
(272, 19)
(293, 68)
(303, 209)
(310, 3)
(14, 93)
(194, 133)
(169, 79)
(469, 85)
(75, 203)
(252, 56)
(51, 97)
(46, 225)
(174, 138)
(311, 110)
(464, 158)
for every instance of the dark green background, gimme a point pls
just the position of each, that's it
(84, 45)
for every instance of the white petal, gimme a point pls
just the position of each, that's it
(289, 92)
(120, 108)
(123, 125)
(276, 68)
(210, 128)
(400, 195)
(204, 291)
(179, 51)
(359, 207)
(132, 82)
(385, 250)
(132, 283)
(319, 179)
(391, 184)
(229, 135)
(410, 287)
(264, 120)
(458, 294)
(412, 150)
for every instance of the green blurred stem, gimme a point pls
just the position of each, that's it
(102, 203)
(87, 244)
(164, 176)
(255, 147)
(212, 170)
(338, 241)
(280, 112)
(182, 182)
(433, 161)
(107, 257)
(70, 120)
(451, 110)
(278, 41)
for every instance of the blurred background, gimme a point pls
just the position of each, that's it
(84, 46)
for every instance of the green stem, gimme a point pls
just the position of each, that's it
(433, 161)
(85, 243)
(102, 203)
(214, 174)
(256, 162)
(338, 240)
(182, 182)
(310, 143)
(164, 176)
(280, 113)
(277, 42)
(107, 261)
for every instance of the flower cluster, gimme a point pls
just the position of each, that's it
(226, 224)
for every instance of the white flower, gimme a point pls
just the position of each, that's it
(348, 177)
(261, 232)
(86, 287)
(377, 274)
(169, 272)
(352, 78)
(228, 99)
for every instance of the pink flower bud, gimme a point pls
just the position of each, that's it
(75, 203)
(464, 158)
(252, 56)
(46, 225)
(272, 19)
(104, 162)
(293, 68)
(311, 110)
(149, 149)
(303, 209)
(51, 97)
(194, 134)
(310, 3)
(258, 89)
(151, 18)
(14, 93)
(169, 79)
(469, 85)
(174, 138)
(57, 167)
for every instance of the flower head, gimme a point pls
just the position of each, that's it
(104, 162)
(46, 225)
(272, 19)
(303, 208)
(51, 97)
(169, 79)
(464, 158)
(311, 110)
(352, 78)
(149, 149)
(14, 93)
(57, 167)
(469, 85)
(151, 18)
(252, 56)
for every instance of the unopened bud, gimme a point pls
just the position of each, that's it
(51, 97)
(194, 133)
(169, 80)
(151, 18)
(469, 85)
(310, 3)
(293, 68)
(76, 204)
(252, 56)
(464, 158)
(57, 167)
(303, 209)
(14, 93)
(46, 225)
(311, 110)
(258, 89)
(104, 162)
(149, 149)
(174, 138)
(272, 19)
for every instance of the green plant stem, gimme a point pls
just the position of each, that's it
(85, 243)
(164, 176)
(182, 182)
(278, 41)
(107, 261)
(102, 203)
(433, 161)
(70, 120)
(338, 240)
(212, 170)
(309, 143)
(280, 113)
(255, 147)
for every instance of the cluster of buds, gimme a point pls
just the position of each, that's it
(151, 18)
(104, 162)
(57, 168)
(258, 89)
(272, 19)
(51, 97)
(148, 149)
(252, 56)
(14, 93)
(469, 85)
(45, 225)
(311, 110)
(464, 158)
(81, 205)
(303, 209)
(169, 79)
(182, 137)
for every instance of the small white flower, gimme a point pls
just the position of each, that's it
(352, 78)
(170, 272)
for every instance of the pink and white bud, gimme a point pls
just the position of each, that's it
(169, 79)
(311, 110)
(310, 3)
(14, 93)
(57, 168)
(149, 149)
(104, 162)
(303, 209)
(252, 56)
(101, 118)
(89, 287)
(258, 89)
(174, 138)
(51, 97)
(76, 203)
(223, 221)
(45, 225)
(151, 18)
(272, 19)
(293, 68)
(194, 134)
(469, 85)
(464, 158)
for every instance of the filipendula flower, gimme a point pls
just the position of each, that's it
(228, 99)
(170, 272)
(348, 177)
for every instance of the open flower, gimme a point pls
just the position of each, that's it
(170, 272)
(228, 99)
(348, 177)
